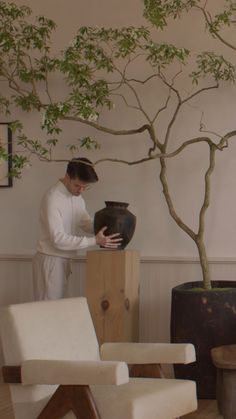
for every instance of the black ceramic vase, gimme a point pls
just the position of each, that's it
(118, 219)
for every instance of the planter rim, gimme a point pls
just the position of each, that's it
(188, 286)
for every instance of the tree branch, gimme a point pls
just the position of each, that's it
(169, 202)
(206, 200)
(102, 128)
(216, 34)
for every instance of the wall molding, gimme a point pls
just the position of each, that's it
(143, 259)
(158, 276)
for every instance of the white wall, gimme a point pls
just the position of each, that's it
(157, 278)
(156, 233)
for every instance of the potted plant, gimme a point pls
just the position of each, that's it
(101, 68)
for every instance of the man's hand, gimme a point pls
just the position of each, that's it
(113, 241)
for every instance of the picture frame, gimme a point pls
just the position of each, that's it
(6, 181)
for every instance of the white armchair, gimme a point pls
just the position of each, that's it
(56, 370)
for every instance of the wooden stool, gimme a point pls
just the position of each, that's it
(224, 358)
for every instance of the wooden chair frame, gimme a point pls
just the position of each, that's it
(77, 398)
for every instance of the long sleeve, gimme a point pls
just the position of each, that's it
(86, 222)
(60, 216)
(59, 237)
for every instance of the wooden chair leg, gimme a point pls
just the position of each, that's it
(84, 406)
(146, 371)
(77, 398)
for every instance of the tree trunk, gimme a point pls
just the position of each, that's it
(204, 263)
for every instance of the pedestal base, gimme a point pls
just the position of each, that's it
(112, 287)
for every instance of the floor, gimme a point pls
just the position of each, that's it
(6, 411)
(207, 408)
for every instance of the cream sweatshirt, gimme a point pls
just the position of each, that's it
(62, 216)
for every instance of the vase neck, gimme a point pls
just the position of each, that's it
(116, 204)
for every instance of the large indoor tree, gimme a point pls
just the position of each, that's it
(100, 68)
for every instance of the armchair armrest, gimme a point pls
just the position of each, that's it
(149, 353)
(63, 372)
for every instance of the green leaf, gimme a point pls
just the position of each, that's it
(89, 143)
(158, 11)
(211, 64)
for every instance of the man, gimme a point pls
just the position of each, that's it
(62, 214)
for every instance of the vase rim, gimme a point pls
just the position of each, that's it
(117, 203)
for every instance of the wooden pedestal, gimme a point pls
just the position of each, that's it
(112, 287)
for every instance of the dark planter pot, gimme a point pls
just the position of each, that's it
(207, 319)
(118, 219)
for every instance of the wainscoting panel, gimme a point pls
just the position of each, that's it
(158, 276)
(157, 279)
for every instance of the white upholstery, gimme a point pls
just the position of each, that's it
(58, 328)
(149, 353)
(55, 342)
(74, 372)
(146, 399)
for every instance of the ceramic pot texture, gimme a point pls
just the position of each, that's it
(118, 219)
(207, 319)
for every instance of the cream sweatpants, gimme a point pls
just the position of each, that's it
(50, 276)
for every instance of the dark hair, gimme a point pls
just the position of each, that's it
(82, 168)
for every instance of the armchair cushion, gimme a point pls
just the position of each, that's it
(138, 399)
(62, 331)
(73, 372)
(148, 353)
(146, 399)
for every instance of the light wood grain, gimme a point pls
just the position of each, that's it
(112, 288)
(207, 409)
(6, 411)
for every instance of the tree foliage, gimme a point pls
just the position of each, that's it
(98, 67)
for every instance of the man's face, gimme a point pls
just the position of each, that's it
(76, 186)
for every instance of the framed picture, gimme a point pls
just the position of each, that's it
(6, 165)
